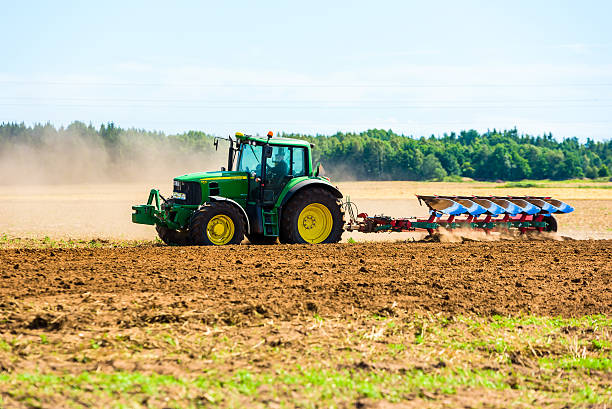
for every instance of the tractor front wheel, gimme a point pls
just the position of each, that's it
(312, 216)
(217, 224)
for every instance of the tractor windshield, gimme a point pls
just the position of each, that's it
(250, 159)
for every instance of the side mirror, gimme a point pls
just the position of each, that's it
(267, 151)
(319, 170)
(216, 143)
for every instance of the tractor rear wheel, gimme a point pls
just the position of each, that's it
(261, 239)
(313, 216)
(172, 237)
(217, 224)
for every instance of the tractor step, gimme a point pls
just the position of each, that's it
(270, 223)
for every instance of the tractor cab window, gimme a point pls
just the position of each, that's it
(250, 159)
(278, 165)
(298, 162)
(286, 162)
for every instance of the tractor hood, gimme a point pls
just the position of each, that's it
(211, 176)
(196, 188)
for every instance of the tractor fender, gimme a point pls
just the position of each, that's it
(233, 202)
(310, 183)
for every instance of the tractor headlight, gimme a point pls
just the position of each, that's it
(179, 196)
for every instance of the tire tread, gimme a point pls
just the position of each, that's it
(200, 218)
(289, 234)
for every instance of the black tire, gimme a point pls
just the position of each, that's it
(201, 218)
(289, 232)
(261, 239)
(552, 224)
(173, 237)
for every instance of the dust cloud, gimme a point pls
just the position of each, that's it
(76, 160)
(464, 235)
(73, 186)
(340, 172)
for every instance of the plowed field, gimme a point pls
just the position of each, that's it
(233, 283)
(88, 319)
(369, 325)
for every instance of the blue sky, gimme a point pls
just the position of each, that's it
(419, 68)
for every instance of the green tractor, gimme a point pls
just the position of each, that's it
(269, 191)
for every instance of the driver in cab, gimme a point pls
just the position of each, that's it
(280, 168)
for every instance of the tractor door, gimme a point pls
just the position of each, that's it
(284, 164)
(250, 161)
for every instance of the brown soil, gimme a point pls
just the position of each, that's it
(202, 311)
(127, 287)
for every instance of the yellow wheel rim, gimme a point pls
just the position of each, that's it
(315, 223)
(220, 230)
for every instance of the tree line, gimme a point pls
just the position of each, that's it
(378, 154)
(119, 142)
(374, 154)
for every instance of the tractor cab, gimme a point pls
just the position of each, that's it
(270, 165)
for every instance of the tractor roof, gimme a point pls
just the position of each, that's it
(274, 141)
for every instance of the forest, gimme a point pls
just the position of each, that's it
(374, 154)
